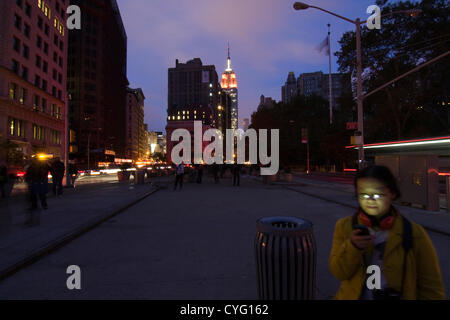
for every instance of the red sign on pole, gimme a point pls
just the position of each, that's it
(352, 125)
(304, 135)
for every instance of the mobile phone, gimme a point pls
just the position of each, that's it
(364, 230)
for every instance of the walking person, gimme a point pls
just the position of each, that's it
(377, 235)
(3, 180)
(199, 173)
(57, 172)
(236, 174)
(37, 179)
(179, 176)
(73, 173)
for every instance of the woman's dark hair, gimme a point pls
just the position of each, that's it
(382, 174)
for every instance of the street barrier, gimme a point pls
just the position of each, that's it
(285, 252)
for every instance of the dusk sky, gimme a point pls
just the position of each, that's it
(268, 38)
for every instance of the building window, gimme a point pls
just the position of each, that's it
(60, 62)
(45, 66)
(46, 47)
(19, 3)
(15, 66)
(27, 9)
(47, 30)
(44, 85)
(13, 91)
(54, 91)
(23, 96)
(55, 137)
(38, 132)
(38, 61)
(44, 105)
(18, 22)
(55, 57)
(26, 52)
(16, 44)
(36, 103)
(26, 30)
(54, 74)
(39, 42)
(16, 127)
(37, 81)
(25, 73)
(40, 23)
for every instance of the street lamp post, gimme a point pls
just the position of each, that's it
(360, 97)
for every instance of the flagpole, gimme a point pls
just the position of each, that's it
(329, 75)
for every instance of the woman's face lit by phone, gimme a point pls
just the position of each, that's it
(373, 196)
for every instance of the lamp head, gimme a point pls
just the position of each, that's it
(414, 12)
(300, 6)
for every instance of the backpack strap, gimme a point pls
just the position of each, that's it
(407, 245)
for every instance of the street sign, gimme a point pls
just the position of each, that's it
(304, 135)
(352, 125)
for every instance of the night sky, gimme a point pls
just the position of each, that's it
(268, 38)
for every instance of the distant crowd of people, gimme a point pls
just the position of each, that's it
(217, 170)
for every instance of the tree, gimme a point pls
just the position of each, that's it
(411, 107)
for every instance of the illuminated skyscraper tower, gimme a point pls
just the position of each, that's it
(229, 85)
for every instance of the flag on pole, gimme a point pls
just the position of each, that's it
(325, 45)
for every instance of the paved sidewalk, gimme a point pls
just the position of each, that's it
(77, 209)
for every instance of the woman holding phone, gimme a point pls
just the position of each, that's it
(378, 235)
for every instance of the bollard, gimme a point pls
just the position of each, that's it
(285, 253)
(139, 177)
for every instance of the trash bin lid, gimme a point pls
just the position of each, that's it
(284, 226)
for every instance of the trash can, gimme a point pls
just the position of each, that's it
(139, 177)
(285, 253)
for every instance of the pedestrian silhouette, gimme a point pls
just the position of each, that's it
(57, 172)
(179, 176)
(236, 174)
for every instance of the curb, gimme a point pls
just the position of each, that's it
(443, 232)
(62, 241)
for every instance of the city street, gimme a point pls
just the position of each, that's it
(196, 243)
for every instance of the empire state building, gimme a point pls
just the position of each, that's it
(229, 85)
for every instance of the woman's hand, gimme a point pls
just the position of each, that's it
(361, 242)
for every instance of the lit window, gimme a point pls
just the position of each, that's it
(184, 112)
(179, 117)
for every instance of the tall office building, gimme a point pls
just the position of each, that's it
(289, 89)
(228, 83)
(192, 95)
(135, 129)
(318, 83)
(97, 83)
(33, 57)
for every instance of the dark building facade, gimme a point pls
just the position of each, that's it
(33, 62)
(289, 89)
(97, 82)
(193, 95)
(315, 83)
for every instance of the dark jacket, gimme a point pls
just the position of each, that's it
(57, 169)
(3, 174)
(37, 173)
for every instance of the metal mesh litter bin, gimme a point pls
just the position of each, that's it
(139, 177)
(285, 253)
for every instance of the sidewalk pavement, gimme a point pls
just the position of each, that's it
(344, 194)
(76, 211)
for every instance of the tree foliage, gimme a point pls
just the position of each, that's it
(412, 106)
